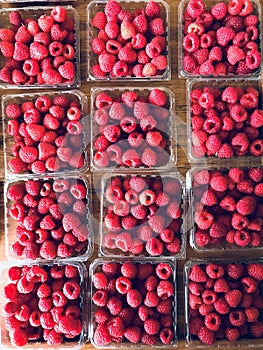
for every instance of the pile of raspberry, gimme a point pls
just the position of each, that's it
(228, 208)
(40, 50)
(225, 302)
(222, 41)
(51, 218)
(129, 43)
(132, 129)
(46, 134)
(43, 304)
(143, 216)
(134, 303)
(226, 122)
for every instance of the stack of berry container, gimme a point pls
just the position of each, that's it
(140, 146)
(23, 293)
(220, 53)
(27, 73)
(47, 194)
(139, 283)
(61, 191)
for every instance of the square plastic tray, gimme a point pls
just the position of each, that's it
(180, 224)
(11, 224)
(5, 342)
(35, 12)
(208, 5)
(192, 341)
(96, 266)
(72, 96)
(195, 193)
(130, 5)
(166, 127)
(221, 84)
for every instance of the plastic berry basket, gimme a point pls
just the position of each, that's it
(208, 5)
(192, 340)
(72, 96)
(96, 266)
(179, 228)
(76, 343)
(222, 84)
(85, 249)
(130, 5)
(166, 157)
(223, 245)
(34, 12)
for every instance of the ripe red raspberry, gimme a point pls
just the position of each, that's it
(154, 247)
(191, 43)
(233, 297)
(102, 336)
(195, 8)
(196, 274)
(133, 334)
(114, 304)
(129, 270)
(99, 280)
(255, 271)
(134, 298)
(219, 11)
(151, 326)
(165, 290)
(206, 336)
(157, 97)
(246, 205)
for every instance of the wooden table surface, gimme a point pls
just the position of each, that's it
(178, 86)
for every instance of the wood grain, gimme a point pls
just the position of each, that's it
(179, 88)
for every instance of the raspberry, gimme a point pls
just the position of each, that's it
(67, 70)
(151, 326)
(246, 205)
(235, 54)
(154, 247)
(157, 97)
(219, 11)
(114, 304)
(197, 274)
(102, 336)
(255, 271)
(206, 336)
(134, 298)
(133, 334)
(195, 8)
(19, 337)
(233, 297)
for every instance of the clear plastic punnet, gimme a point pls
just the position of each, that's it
(66, 152)
(132, 134)
(230, 323)
(231, 71)
(143, 215)
(34, 12)
(48, 218)
(227, 127)
(38, 342)
(132, 5)
(142, 269)
(225, 208)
